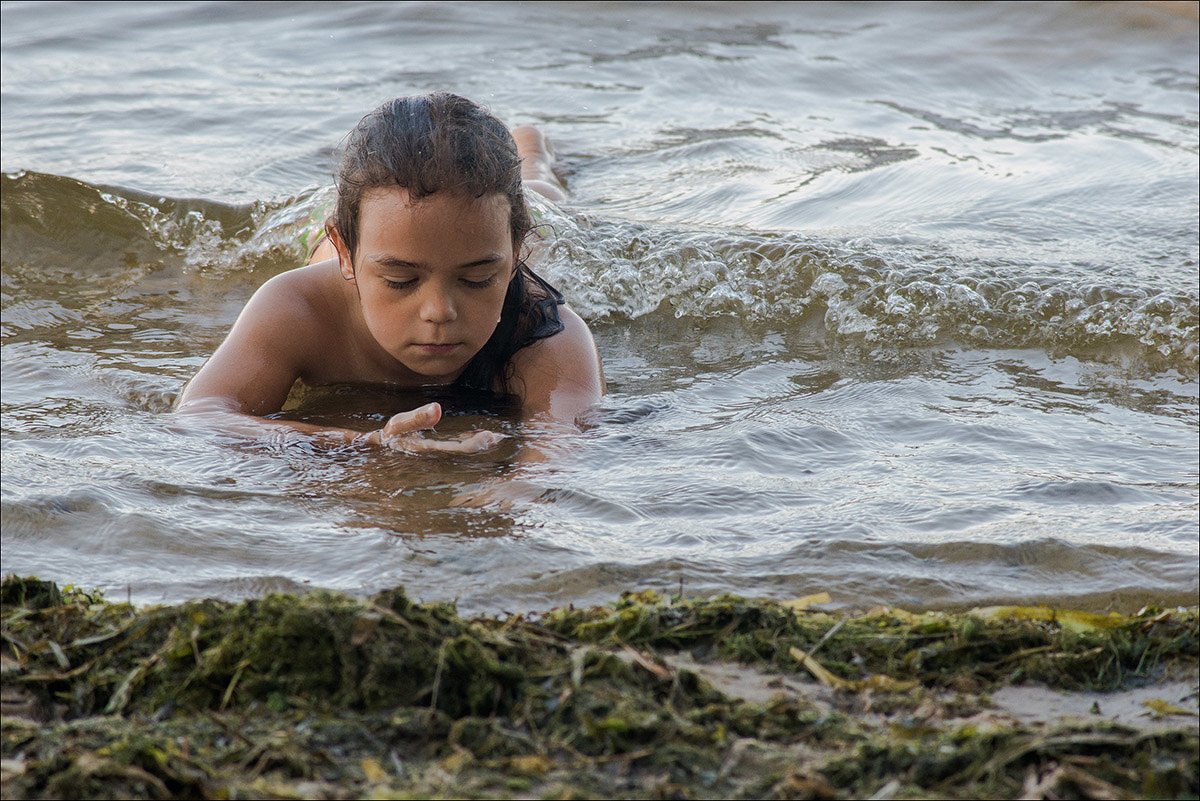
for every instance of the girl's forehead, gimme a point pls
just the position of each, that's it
(397, 199)
(390, 218)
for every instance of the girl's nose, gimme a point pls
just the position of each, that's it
(437, 306)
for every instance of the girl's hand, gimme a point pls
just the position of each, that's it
(402, 433)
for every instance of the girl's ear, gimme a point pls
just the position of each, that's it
(344, 262)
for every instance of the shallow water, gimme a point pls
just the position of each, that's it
(896, 301)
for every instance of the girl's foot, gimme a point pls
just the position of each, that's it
(537, 161)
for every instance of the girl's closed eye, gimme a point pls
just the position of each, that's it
(409, 284)
(480, 283)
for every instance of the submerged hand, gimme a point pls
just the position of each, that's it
(402, 433)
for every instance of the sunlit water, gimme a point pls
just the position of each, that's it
(896, 301)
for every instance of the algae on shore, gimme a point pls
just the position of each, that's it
(323, 695)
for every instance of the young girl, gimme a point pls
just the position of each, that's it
(420, 282)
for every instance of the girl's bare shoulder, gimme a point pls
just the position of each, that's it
(561, 374)
(312, 294)
(294, 317)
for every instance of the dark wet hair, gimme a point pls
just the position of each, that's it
(427, 144)
(441, 142)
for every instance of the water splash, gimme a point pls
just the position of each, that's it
(877, 294)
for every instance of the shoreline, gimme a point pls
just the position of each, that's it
(327, 696)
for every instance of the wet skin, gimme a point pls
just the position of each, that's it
(419, 298)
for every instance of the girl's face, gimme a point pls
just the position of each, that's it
(431, 276)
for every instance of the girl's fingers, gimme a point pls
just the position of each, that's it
(481, 441)
(474, 443)
(418, 419)
(401, 433)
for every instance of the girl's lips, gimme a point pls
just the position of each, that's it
(437, 347)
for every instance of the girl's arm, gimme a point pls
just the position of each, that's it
(401, 432)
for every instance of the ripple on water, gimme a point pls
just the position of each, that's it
(905, 311)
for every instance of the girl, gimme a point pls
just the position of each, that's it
(424, 285)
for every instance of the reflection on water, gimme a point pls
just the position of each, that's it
(895, 301)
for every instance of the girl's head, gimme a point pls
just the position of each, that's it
(429, 144)
(428, 227)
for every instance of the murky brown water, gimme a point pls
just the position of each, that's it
(896, 301)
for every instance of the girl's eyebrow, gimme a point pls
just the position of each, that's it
(396, 263)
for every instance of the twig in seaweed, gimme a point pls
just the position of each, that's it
(96, 639)
(437, 675)
(832, 630)
(237, 675)
(1024, 652)
(196, 644)
(645, 662)
(120, 697)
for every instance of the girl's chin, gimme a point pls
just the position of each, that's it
(436, 369)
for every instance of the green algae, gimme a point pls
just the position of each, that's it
(935, 649)
(323, 695)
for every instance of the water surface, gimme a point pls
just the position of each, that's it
(897, 301)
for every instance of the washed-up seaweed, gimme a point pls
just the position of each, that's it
(1060, 648)
(323, 695)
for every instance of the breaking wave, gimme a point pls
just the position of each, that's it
(877, 294)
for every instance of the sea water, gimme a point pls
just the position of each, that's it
(895, 301)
